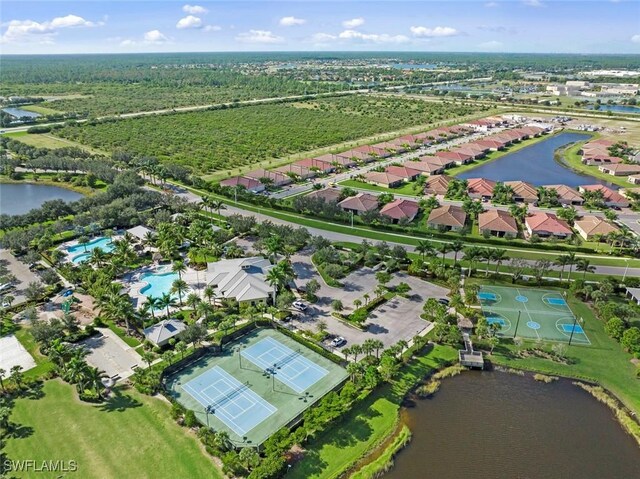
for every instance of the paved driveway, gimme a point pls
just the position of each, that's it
(23, 275)
(111, 354)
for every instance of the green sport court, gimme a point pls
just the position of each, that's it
(542, 314)
(255, 386)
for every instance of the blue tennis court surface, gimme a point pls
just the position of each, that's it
(493, 319)
(290, 367)
(568, 328)
(557, 301)
(231, 401)
(489, 296)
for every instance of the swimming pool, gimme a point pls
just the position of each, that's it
(80, 252)
(158, 284)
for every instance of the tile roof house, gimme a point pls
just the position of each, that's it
(438, 161)
(405, 143)
(566, 195)
(457, 157)
(276, 178)
(160, 333)
(480, 188)
(523, 192)
(600, 159)
(316, 164)
(610, 197)
(390, 147)
(360, 203)
(296, 171)
(437, 185)
(546, 225)
(373, 151)
(491, 143)
(620, 169)
(404, 171)
(251, 184)
(472, 149)
(400, 209)
(329, 195)
(634, 179)
(497, 223)
(347, 159)
(355, 156)
(383, 178)
(449, 217)
(330, 158)
(590, 227)
(425, 168)
(242, 279)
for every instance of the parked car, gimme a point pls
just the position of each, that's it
(299, 305)
(339, 341)
(444, 301)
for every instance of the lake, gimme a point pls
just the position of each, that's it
(414, 66)
(535, 164)
(17, 199)
(19, 113)
(498, 425)
(618, 108)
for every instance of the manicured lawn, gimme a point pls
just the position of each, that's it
(43, 365)
(370, 421)
(406, 189)
(130, 436)
(45, 140)
(43, 110)
(573, 160)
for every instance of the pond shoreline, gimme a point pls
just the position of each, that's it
(83, 190)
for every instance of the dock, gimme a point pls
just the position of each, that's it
(468, 357)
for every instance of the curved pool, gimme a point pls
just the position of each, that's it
(85, 249)
(158, 284)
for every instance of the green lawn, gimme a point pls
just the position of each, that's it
(45, 140)
(406, 189)
(43, 110)
(130, 436)
(367, 424)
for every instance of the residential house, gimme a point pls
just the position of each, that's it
(471, 149)
(273, 177)
(457, 157)
(360, 203)
(448, 217)
(391, 147)
(491, 143)
(620, 169)
(425, 168)
(160, 333)
(383, 178)
(404, 171)
(357, 156)
(348, 160)
(590, 227)
(251, 184)
(242, 279)
(497, 223)
(610, 197)
(438, 161)
(546, 225)
(405, 144)
(329, 195)
(480, 188)
(634, 179)
(315, 164)
(523, 192)
(566, 195)
(400, 210)
(437, 185)
(296, 171)
(372, 151)
(600, 159)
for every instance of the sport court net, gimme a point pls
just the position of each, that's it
(290, 367)
(543, 314)
(231, 401)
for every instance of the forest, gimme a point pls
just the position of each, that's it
(227, 138)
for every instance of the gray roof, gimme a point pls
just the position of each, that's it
(140, 231)
(242, 279)
(164, 330)
(634, 292)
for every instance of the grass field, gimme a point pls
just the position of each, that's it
(43, 110)
(130, 436)
(248, 403)
(45, 140)
(368, 424)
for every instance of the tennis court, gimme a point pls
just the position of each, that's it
(532, 314)
(233, 402)
(236, 390)
(289, 366)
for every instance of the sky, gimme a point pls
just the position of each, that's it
(124, 26)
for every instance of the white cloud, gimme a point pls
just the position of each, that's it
(43, 32)
(491, 45)
(291, 21)
(422, 32)
(491, 4)
(372, 37)
(353, 23)
(533, 3)
(212, 28)
(189, 22)
(194, 9)
(259, 36)
(323, 37)
(636, 38)
(155, 37)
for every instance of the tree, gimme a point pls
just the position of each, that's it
(424, 248)
(181, 348)
(357, 303)
(388, 368)
(166, 301)
(383, 277)
(499, 256)
(493, 342)
(482, 327)
(179, 267)
(180, 287)
(615, 328)
(631, 340)
(571, 261)
(584, 265)
(34, 291)
(337, 305)
(472, 254)
(456, 247)
(16, 375)
(311, 288)
(443, 249)
(322, 327)
(541, 268)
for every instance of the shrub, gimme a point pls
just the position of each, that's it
(190, 419)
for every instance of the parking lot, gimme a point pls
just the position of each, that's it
(23, 275)
(111, 354)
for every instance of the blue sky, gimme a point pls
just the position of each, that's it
(94, 26)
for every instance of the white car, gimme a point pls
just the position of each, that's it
(339, 341)
(299, 305)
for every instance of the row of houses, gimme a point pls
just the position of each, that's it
(256, 180)
(394, 175)
(524, 192)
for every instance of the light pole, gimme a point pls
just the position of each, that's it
(625, 270)
(573, 329)
(517, 324)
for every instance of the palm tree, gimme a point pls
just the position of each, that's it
(179, 267)
(274, 245)
(166, 301)
(83, 240)
(210, 293)
(499, 256)
(443, 249)
(563, 261)
(584, 265)
(487, 254)
(425, 248)
(154, 303)
(472, 254)
(93, 379)
(571, 261)
(193, 300)
(179, 286)
(98, 257)
(456, 247)
(118, 307)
